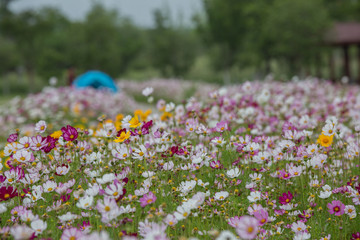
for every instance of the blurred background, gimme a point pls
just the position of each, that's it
(217, 41)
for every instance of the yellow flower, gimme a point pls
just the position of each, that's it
(123, 136)
(56, 134)
(324, 140)
(143, 115)
(165, 116)
(118, 123)
(134, 122)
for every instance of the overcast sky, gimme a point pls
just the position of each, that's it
(140, 11)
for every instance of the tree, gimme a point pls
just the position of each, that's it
(294, 31)
(172, 48)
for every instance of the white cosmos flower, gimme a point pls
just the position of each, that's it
(226, 235)
(187, 186)
(85, 202)
(38, 226)
(148, 174)
(169, 107)
(2, 208)
(233, 173)
(254, 196)
(147, 91)
(326, 193)
(168, 165)
(182, 212)
(108, 177)
(350, 210)
(40, 127)
(67, 217)
(221, 195)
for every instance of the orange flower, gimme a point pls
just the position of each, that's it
(324, 140)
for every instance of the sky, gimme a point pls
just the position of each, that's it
(140, 11)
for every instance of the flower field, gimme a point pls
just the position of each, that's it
(260, 160)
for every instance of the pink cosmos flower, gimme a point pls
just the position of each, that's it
(40, 127)
(247, 227)
(262, 216)
(69, 133)
(71, 234)
(286, 198)
(336, 207)
(235, 221)
(222, 126)
(147, 199)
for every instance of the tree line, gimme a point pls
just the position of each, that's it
(227, 37)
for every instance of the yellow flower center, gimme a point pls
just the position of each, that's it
(107, 208)
(250, 229)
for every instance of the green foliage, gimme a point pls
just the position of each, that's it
(173, 49)
(295, 30)
(9, 57)
(233, 39)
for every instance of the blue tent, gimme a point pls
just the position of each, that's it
(95, 79)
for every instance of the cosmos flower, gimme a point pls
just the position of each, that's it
(336, 207)
(220, 196)
(40, 127)
(147, 91)
(247, 227)
(147, 199)
(69, 133)
(72, 234)
(285, 198)
(7, 193)
(262, 216)
(12, 137)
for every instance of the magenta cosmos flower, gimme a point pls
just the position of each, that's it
(247, 227)
(7, 193)
(336, 207)
(12, 138)
(286, 198)
(147, 199)
(69, 133)
(355, 236)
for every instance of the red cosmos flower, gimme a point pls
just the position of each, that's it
(7, 193)
(50, 144)
(69, 133)
(286, 198)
